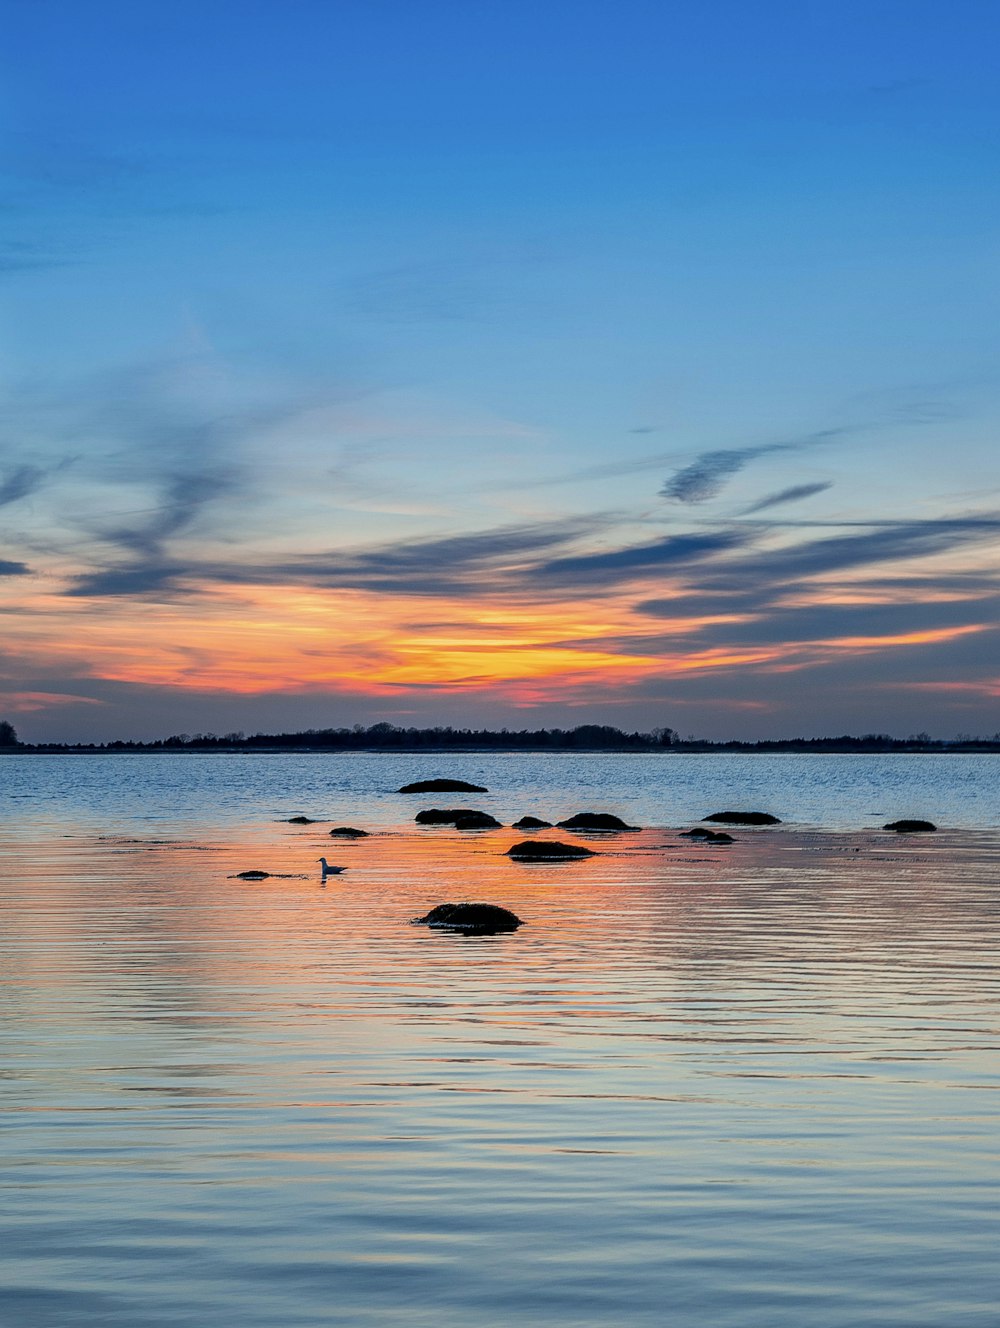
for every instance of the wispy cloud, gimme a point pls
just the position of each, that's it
(143, 577)
(20, 482)
(891, 542)
(826, 622)
(455, 566)
(708, 474)
(794, 494)
(592, 570)
(834, 589)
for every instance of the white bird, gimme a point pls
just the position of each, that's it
(330, 871)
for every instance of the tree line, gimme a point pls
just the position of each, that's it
(584, 737)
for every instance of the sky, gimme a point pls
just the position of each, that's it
(479, 362)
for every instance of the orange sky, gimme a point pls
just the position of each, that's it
(248, 640)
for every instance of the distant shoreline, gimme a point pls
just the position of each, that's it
(790, 748)
(387, 738)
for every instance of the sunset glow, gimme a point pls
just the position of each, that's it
(496, 398)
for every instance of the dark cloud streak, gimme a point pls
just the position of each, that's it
(20, 482)
(586, 571)
(794, 494)
(453, 566)
(709, 473)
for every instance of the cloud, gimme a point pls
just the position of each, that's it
(707, 476)
(157, 445)
(13, 569)
(891, 542)
(712, 596)
(140, 578)
(756, 592)
(825, 622)
(793, 495)
(185, 493)
(588, 570)
(20, 482)
(455, 566)
(709, 473)
(723, 582)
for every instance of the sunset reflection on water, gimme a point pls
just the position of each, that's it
(250, 1100)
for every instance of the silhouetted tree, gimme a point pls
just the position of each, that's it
(8, 738)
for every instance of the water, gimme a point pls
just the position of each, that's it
(749, 1086)
(832, 792)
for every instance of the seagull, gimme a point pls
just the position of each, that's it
(330, 871)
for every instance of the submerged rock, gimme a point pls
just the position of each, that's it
(447, 815)
(709, 836)
(909, 827)
(531, 823)
(252, 876)
(348, 832)
(473, 919)
(547, 850)
(743, 818)
(301, 820)
(602, 821)
(442, 786)
(477, 821)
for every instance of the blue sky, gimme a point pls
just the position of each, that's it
(297, 291)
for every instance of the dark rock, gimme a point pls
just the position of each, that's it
(445, 815)
(301, 820)
(602, 821)
(472, 919)
(477, 821)
(743, 818)
(709, 836)
(547, 850)
(348, 832)
(442, 786)
(252, 876)
(909, 827)
(531, 823)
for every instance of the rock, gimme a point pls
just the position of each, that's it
(743, 818)
(547, 850)
(909, 827)
(348, 832)
(531, 823)
(477, 821)
(252, 876)
(446, 815)
(472, 919)
(709, 836)
(301, 820)
(602, 821)
(442, 786)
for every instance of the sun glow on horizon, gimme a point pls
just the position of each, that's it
(252, 639)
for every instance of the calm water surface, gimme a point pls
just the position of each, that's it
(751, 1085)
